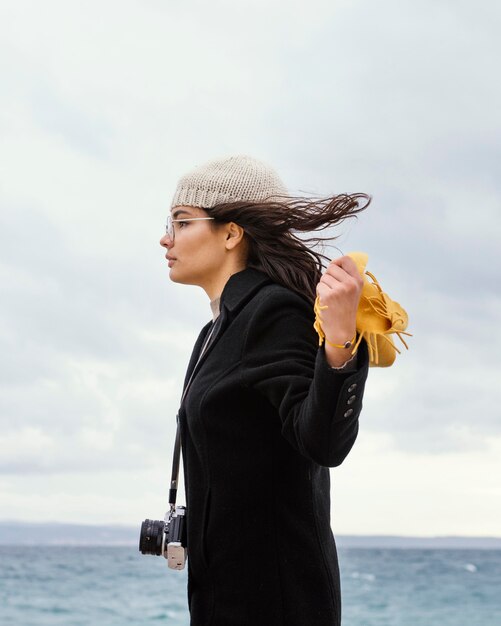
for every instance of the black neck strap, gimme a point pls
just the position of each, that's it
(176, 457)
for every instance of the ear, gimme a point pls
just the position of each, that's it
(234, 235)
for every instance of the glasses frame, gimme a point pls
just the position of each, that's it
(169, 227)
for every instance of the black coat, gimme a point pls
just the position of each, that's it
(264, 418)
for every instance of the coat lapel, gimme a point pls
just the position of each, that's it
(196, 351)
(239, 289)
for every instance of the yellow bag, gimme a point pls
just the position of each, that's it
(378, 317)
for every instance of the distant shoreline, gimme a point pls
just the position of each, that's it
(14, 533)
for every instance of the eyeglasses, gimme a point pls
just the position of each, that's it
(169, 227)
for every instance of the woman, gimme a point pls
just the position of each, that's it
(268, 411)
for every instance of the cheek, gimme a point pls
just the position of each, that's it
(204, 251)
(208, 245)
(208, 255)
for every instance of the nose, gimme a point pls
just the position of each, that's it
(166, 241)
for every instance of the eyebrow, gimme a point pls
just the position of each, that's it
(180, 212)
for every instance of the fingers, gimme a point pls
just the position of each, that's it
(339, 290)
(347, 264)
(343, 270)
(330, 281)
(334, 272)
(323, 291)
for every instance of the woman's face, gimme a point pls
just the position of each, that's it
(196, 253)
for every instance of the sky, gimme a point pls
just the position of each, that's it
(104, 105)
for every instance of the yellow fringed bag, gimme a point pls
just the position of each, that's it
(378, 317)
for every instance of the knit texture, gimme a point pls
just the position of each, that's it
(229, 179)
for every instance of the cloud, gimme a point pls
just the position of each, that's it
(105, 106)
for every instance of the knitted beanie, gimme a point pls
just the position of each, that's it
(227, 180)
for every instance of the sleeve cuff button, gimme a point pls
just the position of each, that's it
(348, 412)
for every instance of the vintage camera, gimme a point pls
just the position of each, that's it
(167, 538)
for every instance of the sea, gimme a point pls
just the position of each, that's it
(116, 586)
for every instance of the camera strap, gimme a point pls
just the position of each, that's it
(177, 443)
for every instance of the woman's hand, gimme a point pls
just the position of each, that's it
(339, 289)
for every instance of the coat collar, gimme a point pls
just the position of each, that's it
(241, 287)
(238, 290)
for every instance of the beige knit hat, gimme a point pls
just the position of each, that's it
(228, 179)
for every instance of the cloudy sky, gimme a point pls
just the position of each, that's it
(105, 104)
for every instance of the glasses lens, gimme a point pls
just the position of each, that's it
(169, 230)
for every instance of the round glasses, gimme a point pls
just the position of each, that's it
(169, 227)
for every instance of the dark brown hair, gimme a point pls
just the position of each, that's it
(270, 228)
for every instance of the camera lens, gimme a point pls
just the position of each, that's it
(150, 539)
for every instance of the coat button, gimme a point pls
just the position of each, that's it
(351, 399)
(348, 412)
(352, 387)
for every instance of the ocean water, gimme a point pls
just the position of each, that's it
(116, 586)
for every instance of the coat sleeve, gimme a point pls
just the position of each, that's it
(318, 406)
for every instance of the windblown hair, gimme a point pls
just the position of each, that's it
(270, 228)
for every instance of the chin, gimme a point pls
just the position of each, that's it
(175, 277)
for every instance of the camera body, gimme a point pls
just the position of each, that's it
(166, 538)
